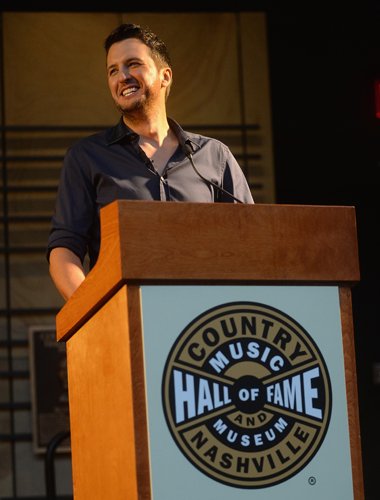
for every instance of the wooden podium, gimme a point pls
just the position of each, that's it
(192, 245)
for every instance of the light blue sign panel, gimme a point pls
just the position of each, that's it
(167, 311)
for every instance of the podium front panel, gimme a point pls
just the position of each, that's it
(246, 392)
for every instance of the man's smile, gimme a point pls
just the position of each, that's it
(130, 91)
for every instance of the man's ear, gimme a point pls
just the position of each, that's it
(166, 77)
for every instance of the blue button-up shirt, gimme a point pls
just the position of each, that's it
(111, 166)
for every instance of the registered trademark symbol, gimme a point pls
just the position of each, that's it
(312, 481)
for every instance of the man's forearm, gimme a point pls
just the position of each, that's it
(66, 271)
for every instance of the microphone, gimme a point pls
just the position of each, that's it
(188, 152)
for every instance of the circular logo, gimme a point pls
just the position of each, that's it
(246, 395)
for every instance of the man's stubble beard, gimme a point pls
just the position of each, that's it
(136, 112)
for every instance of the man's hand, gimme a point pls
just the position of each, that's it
(66, 271)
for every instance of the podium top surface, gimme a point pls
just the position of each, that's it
(152, 242)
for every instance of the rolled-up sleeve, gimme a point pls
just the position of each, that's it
(74, 208)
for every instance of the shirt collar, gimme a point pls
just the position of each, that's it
(122, 131)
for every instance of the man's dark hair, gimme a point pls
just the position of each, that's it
(159, 52)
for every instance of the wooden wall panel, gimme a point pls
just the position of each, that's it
(55, 68)
(59, 62)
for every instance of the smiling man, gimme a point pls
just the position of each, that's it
(139, 84)
(145, 157)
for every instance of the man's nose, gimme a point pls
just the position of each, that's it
(124, 74)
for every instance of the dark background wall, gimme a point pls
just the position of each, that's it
(327, 151)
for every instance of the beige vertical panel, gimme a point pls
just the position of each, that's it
(202, 48)
(55, 68)
(257, 97)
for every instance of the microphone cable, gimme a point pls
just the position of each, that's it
(188, 152)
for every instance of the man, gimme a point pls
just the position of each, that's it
(141, 158)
